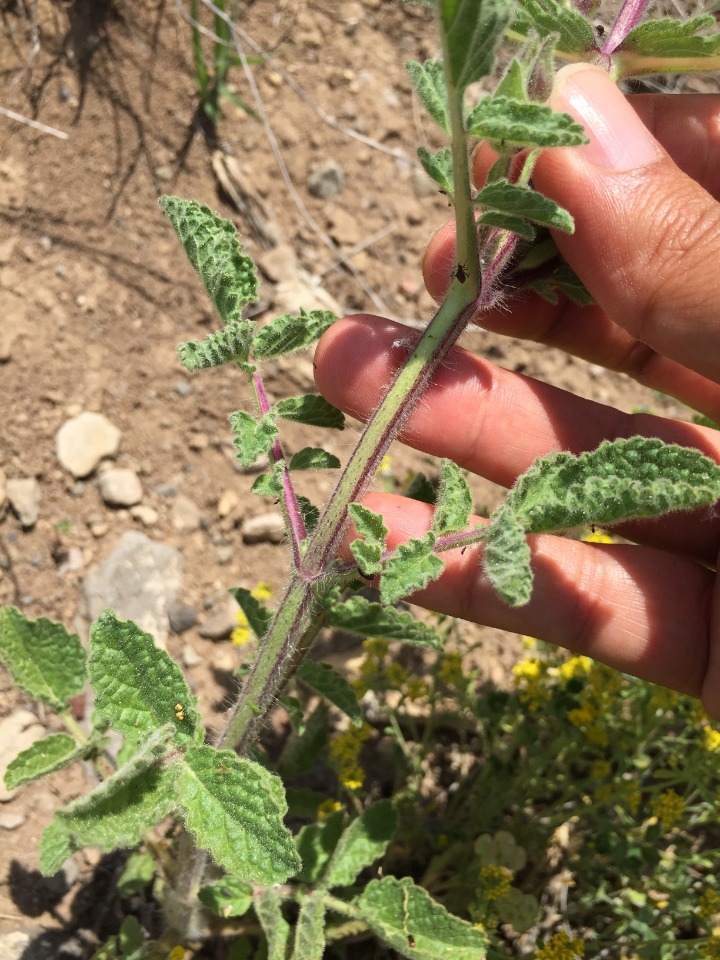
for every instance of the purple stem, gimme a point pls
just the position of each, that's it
(631, 13)
(292, 507)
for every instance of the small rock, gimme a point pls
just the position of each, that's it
(265, 528)
(181, 617)
(164, 173)
(185, 516)
(14, 945)
(226, 505)
(279, 263)
(11, 821)
(148, 516)
(83, 441)
(24, 497)
(183, 388)
(225, 554)
(222, 621)
(190, 657)
(120, 487)
(327, 180)
(18, 731)
(99, 529)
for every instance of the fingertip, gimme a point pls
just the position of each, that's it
(439, 260)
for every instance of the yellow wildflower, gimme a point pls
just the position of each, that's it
(575, 667)
(450, 671)
(582, 716)
(669, 808)
(561, 947)
(416, 688)
(495, 882)
(345, 752)
(263, 591)
(385, 464)
(327, 808)
(530, 643)
(711, 738)
(241, 634)
(597, 536)
(528, 669)
(177, 953)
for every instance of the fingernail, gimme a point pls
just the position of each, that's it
(619, 140)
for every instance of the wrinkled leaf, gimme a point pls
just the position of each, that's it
(361, 616)
(361, 844)
(313, 458)
(252, 438)
(311, 409)
(44, 756)
(326, 681)
(289, 333)
(224, 346)
(412, 568)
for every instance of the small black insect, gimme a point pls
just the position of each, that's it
(460, 273)
(411, 941)
(463, 551)
(599, 29)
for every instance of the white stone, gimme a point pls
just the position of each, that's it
(24, 497)
(265, 528)
(17, 732)
(83, 441)
(186, 516)
(228, 502)
(148, 516)
(120, 487)
(11, 821)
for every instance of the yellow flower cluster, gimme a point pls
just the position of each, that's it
(597, 699)
(669, 808)
(450, 671)
(575, 667)
(711, 738)
(709, 903)
(242, 632)
(327, 808)
(495, 882)
(530, 682)
(372, 666)
(561, 947)
(416, 688)
(345, 752)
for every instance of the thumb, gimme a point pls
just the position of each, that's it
(647, 237)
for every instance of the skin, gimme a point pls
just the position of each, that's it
(647, 245)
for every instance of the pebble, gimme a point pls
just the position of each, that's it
(224, 554)
(24, 497)
(11, 821)
(222, 621)
(183, 388)
(120, 487)
(327, 180)
(227, 503)
(278, 263)
(83, 441)
(265, 528)
(185, 515)
(17, 732)
(148, 516)
(181, 617)
(138, 580)
(190, 656)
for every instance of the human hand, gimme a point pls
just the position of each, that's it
(644, 194)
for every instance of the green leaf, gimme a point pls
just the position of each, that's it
(315, 844)
(428, 81)
(44, 756)
(620, 480)
(269, 484)
(252, 438)
(518, 123)
(438, 167)
(361, 616)
(303, 750)
(362, 843)
(289, 333)
(454, 500)
(406, 917)
(139, 687)
(313, 458)
(506, 558)
(512, 82)
(258, 615)
(310, 929)
(310, 513)
(505, 221)
(268, 907)
(55, 848)
(234, 808)
(420, 488)
(138, 872)
(412, 568)
(311, 409)
(368, 551)
(42, 657)
(566, 281)
(212, 247)
(471, 32)
(673, 38)
(524, 202)
(552, 16)
(326, 681)
(131, 939)
(224, 346)
(228, 897)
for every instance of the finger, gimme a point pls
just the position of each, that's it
(611, 603)
(496, 423)
(645, 232)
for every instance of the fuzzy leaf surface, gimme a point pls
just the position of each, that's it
(438, 167)
(523, 202)
(564, 280)
(304, 749)
(139, 687)
(138, 872)
(252, 438)
(406, 917)
(311, 409)
(269, 484)
(518, 123)
(313, 458)
(44, 756)
(620, 480)
(471, 32)
(326, 681)
(224, 346)
(412, 568)
(505, 221)
(368, 619)
(454, 500)
(268, 907)
(310, 929)
(428, 81)
(258, 615)
(234, 808)
(674, 38)
(552, 16)
(370, 526)
(212, 247)
(55, 848)
(315, 844)
(289, 333)
(227, 897)
(361, 844)
(42, 657)
(506, 558)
